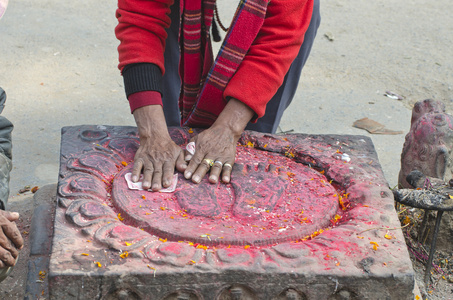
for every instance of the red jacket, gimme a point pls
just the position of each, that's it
(141, 31)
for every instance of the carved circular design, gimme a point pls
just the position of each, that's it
(183, 295)
(93, 135)
(122, 294)
(237, 291)
(271, 199)
(291, 294)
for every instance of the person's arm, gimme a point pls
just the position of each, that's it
(157, 155)
(11, 240)
(5, 156)
(141, 31)
(259, 76)
(218, 143)
(268, 60)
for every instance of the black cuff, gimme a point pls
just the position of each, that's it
(142, 77)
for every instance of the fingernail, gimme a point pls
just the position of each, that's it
(225, 179)
(146, 184)
(196, 178)
(213, 179)
(187, 175)
(134, 178)
(15, 215)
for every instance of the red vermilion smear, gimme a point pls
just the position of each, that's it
(270, 199)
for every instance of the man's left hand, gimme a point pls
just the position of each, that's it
(215, 150)
(11, 240)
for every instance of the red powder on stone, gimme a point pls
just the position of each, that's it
(271, 199)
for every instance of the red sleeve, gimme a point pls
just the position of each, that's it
(144, 98)
(278, 42)
(141, 31)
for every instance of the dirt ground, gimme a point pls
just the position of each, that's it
(398, 46)
(441, 283)
(57, 58)
(13, 287)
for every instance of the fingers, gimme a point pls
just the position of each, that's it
(7, 258)
(137, 169)
(188, 157)
(215, 171)
(219, 167)
(167, 176)
(199, 168)
(148, 173)
(209, 153)
(192, 166)
(13, 234)
(6, 245)
(152, 173)
(157, 180)
(189, 151)
(226, 171)
(192, 162)
(10, 241)
(11, 216)
(157, 162)
(181, 164)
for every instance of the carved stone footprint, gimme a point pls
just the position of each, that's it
(257, 191)
(198, 199)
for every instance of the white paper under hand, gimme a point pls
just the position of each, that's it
(138, 185)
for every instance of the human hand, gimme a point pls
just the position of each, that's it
(11, 240)
(157, 154)
(215, 148)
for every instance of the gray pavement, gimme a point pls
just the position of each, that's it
(58, 67)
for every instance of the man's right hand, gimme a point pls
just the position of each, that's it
(157, 155)
(11, 240)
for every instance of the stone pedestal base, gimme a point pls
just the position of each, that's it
(305, 217)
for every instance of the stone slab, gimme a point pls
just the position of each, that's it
(37, 287)
(41, 230)
(41, 233)
(104, 247)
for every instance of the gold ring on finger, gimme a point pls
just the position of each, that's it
(209, 162)
(219, 163)
(227, 165)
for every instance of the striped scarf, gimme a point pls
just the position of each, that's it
(203, 81)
